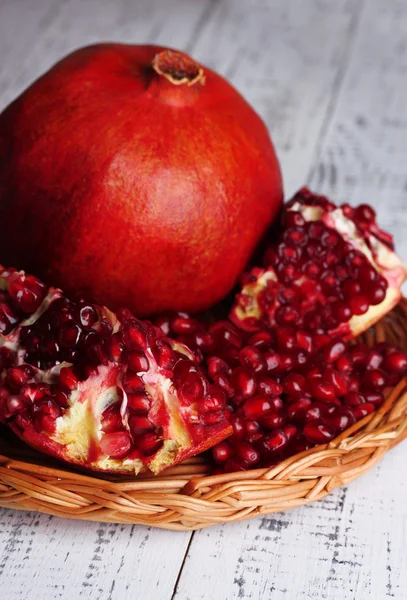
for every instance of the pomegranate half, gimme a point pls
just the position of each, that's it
(127, 171)
(103, 391)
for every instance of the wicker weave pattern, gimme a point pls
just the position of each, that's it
(185, 497)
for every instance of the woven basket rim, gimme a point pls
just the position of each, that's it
(186, 497)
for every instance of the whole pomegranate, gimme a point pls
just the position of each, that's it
(133, 176)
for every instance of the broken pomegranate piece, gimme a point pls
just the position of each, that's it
(103, 391)
(331, 271)
(288, 390)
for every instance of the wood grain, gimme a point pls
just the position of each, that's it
(329, 78)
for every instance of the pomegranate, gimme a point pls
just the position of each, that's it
(286, 392)
(144, 168)
(333, 271)
(97, 389)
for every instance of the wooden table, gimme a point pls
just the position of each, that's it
(330, 80)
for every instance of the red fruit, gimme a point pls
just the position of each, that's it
(321, 275)
(96, 409)
(319, 433)
(221, 452)
(257, 407)
(108, 155)
(116, 445)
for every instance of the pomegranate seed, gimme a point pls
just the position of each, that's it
(261, 339)
(221, 453)
(149, 444)
(374, 380)
(223, 382)
(133, 383)
(216, 365)
(28, 292)
(304, 341)
(68, 379)
(235, 464)
(139, 403)
(272, 420)
(321, 390)
(115, 445)
(350, 289)
(395, 362)
(244, 382)
(111, 419)
(375, 398)
(334, 350)
(140, 425)
(376, 295)
(253, 430)
(344, 364)
(294, 219)
(246, 453)
(212, 418)
(341, 419)
(272, 360)
(286, 338)
(257, 407)
(214, 401)
(358, 305)
(193, 388)
(8, 319)
(16, 377)
(374, 359)
(184, 324)
(137, 361)
(294, 384)
(287, 315)
(319, 433)
(239, 428)
(69, 335)
(359, 354)
(252, 358)
(16, 404)
(291, 432)
(362, 410)
(364, 212)
(341, 312)
(134, 335)
(311, 269)
(61, 397)
(336, 380)
(275, 442)
(116, 347)
(267, 385)
(354, 399)
(296, 410)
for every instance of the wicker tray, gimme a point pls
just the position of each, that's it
(185, 497)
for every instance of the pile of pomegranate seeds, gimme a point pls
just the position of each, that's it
(287, 389)
(104, 391)
(331, 270)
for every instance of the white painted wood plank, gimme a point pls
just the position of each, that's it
(47, 558)
(364, 154)
(54, 28)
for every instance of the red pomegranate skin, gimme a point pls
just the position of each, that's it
(124, 188)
